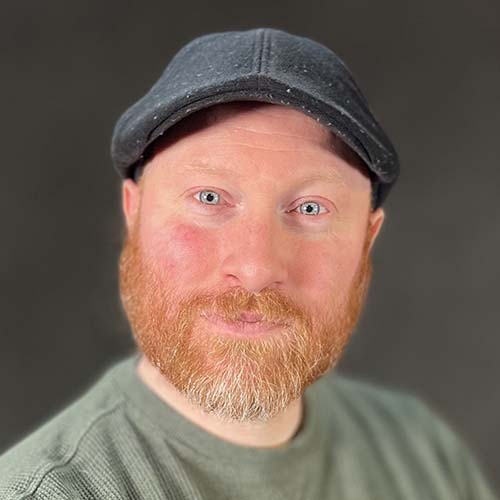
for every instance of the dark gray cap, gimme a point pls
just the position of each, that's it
(262, 64)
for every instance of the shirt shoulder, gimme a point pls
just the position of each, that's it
(407, 434)
(43, 464)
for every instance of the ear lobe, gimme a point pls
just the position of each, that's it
(130, 201)
(375, 224)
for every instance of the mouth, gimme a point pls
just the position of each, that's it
(250, 317)
(249, 324)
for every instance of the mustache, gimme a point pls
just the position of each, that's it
(269, 305)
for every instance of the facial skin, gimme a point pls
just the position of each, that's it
(250, 249)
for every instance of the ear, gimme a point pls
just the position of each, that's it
(130, 201)
(376, 220)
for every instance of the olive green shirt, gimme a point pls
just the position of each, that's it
(357, 441)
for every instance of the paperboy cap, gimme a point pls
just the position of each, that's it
(262, 64)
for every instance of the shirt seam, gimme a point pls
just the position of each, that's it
(35, 485)
(146, 418)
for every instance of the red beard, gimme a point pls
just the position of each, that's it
(237, 379)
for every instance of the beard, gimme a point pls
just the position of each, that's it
(237, 379)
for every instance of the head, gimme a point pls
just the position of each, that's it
(247, 207)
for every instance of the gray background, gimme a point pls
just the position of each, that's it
(431, 73)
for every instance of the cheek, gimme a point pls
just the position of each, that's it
(325, 268)
(182, 252)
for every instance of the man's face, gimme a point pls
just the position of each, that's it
(253, 213)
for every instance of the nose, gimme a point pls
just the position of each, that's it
(255, 256)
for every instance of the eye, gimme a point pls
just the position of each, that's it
(309, 208)
(210, 197)
(207, 197)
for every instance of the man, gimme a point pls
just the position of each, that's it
(254, 175)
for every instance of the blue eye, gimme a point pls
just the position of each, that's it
(309, 208)
(208, 197)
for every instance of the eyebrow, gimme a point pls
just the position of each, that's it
(219, 171)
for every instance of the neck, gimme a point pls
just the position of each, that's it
(273, 433)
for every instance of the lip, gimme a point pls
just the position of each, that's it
(252, 328)
(250, 317)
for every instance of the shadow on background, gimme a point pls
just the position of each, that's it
(431, 74)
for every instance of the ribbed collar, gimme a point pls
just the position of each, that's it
(178, 430)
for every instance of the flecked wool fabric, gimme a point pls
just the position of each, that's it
(262, 64)
(357, 441)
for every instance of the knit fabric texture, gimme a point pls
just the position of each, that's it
(357, 441)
